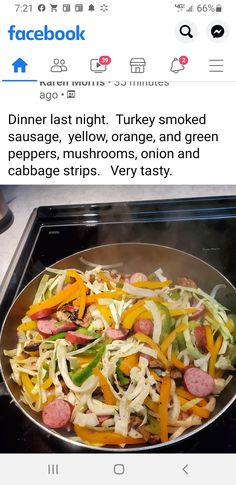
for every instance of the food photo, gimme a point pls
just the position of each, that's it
(118, 328)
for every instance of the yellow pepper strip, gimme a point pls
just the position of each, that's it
(82, 289)
(84, 360)
(129, 310)
(163, 408)
(153, 285)
(180, 391)
(147, 315)
(128, 363)
(49, 399)
(197, 410)
(132, 317)
(20, 357)
(155, 376)
(105, 279)
(55, 300)
(23, 327)
(115, 295)
(171, 337)
(106, 313)
(28, 386)
(139, 304)
(38, 337)
(105, 437)
(209, 339)
(230, 325)
(214, 353)
(47, 383)
(177, 362)
(182, 311)
(154, 406)
(109, 397)
(147, 340)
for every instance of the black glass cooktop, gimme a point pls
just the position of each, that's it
(204, 227)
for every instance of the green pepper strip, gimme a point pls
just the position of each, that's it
(123, 380)
(154, 425)
(80, 375)
(167, 323)
(56, 337)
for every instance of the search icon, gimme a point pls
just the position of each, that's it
(185, 30)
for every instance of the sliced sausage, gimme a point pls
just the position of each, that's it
(52, 327)
(117, 334)
(188, 282)
(198, 382)
(200, 337)
(135, 277)
(200, 311)
(57, 414)
(78, 338)
(46, 312)
(143, 325)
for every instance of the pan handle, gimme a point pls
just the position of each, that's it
(3, 390)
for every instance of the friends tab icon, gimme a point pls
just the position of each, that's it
(58, 66)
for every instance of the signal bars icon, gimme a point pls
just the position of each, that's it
(190, 9)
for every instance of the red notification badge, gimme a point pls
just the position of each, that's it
(183, 60)
(105, 60)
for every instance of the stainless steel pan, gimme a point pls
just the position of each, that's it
(134, 257)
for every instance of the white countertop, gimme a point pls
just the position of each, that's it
(23, 199)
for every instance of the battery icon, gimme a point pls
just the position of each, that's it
(218, 8)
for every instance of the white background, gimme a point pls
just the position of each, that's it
(129, 29)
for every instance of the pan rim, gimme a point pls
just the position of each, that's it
(130, 449)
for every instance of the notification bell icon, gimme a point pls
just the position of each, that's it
(176, 66)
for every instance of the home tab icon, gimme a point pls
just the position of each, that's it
(19, 65)
(137, 65)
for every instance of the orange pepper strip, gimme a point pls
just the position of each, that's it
(180, 391)
(137, 305)
(171, 337)
(209, 338)
(163, 408)
(153, 285)
(128, 363)
(214, 353)
(105, 437)
(82, 288)
(109, 397)
(115, 295)
(198, 411)
(26, 381)
(106, 280)
(155, 376)
(152, 405)
(147, 340)
(55, 300)
(177, 362)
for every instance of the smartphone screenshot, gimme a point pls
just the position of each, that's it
(117, 241)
